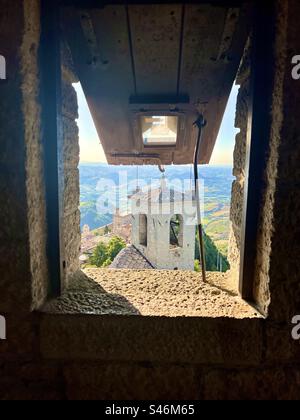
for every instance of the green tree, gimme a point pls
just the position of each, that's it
(100, 255)
(107, 263)
(104, 255)
(211, 255)
(115, 245)
(197, 266)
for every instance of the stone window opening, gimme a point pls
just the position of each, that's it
(143, 230)
(175, 227)
(143, 241)
(135, 335)
(176, 231)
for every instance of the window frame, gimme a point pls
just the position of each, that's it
(181, 129)
(258, 137)
(259, 127)
(52, 134)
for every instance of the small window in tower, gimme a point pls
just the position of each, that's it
(159, 130)
(176, 231)
(143, 230)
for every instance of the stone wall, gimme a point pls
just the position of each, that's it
(239, 161)
(23, 280)
(71, 220)
(152, 223)
(122, 226)
(35, 189)
(282, 196)
(22, 160)
(61, 356)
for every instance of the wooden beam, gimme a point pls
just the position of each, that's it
(52, 138)
(258, 138)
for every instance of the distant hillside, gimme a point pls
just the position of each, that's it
(214, 259)
(90, 216)
(218, 181)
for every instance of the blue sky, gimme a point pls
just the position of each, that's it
(91, 149)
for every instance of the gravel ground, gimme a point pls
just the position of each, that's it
(152, 293)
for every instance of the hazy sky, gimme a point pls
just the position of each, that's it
(91, 149)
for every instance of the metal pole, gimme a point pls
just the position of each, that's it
(200, 123)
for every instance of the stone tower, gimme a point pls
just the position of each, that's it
(163, 227)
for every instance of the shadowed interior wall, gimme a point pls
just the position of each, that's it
(283, 176)
(239, 160)
(71, 219)
(24, 279)
(61, 356)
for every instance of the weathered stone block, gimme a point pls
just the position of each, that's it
(131, 382)
(71, 143)
(279, 383)
(72, 228)
(21, 342)
(239, 156)
(280, 345)
(69, 101)
(284, 265)
(173, 340)
(236, 210)
(71, 191)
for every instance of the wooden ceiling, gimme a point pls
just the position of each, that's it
(130, 53)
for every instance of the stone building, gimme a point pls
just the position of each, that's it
(94, 335)
(131, 259)
(122, 225)
(163, 227)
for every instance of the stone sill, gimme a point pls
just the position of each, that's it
(151, 317)
(151, 293)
